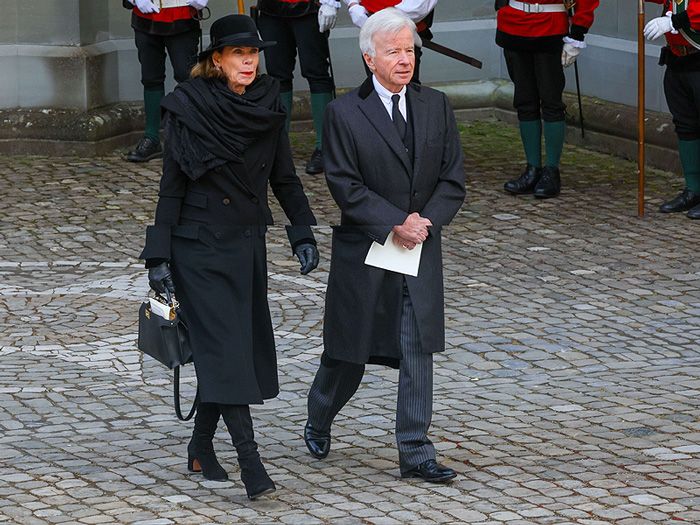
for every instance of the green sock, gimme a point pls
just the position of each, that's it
(689, 151)
(287, 97)
(531, 135)
(151, 102)
(554, 133)
(319, 101)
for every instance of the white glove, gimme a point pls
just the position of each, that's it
(146, 6)
(327, 15)
(198, 4)
(658, 27)
(358, 14)
(572, 49)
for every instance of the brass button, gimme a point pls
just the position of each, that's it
(226, 201)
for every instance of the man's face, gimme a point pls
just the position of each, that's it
(394, 60)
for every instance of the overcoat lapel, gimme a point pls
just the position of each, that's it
(418, 110)
(373, 109)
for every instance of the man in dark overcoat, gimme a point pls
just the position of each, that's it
(394, 165)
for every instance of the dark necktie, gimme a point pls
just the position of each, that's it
(397, 117)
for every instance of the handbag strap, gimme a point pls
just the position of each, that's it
(176, 395)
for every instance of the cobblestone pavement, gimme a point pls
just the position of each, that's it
(569, 392)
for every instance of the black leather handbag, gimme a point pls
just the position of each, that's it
(163, 336)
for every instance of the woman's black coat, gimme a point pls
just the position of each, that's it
(212, 230)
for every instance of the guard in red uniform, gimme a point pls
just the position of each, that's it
(540, 38)
(680, 23)
(162, 27)
(301, 25)
(420, 11)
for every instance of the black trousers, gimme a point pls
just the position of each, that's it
(682, 90)
(152, 50)
(292, 34)
(539, 84)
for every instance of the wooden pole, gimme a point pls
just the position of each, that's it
(241, 7)
(641, 109)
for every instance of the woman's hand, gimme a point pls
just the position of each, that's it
(160, 278)
(307, 254)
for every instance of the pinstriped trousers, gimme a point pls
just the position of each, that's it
(334, 385)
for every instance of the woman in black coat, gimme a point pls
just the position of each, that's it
(224, 142)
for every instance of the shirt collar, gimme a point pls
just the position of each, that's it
(384, 93)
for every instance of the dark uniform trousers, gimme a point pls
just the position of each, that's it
(682, 90)
(292, 34)
(336, 383)
(181, 48)
(539, 82)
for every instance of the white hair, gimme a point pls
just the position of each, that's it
(390, 21)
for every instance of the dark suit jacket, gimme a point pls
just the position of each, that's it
(376, 186)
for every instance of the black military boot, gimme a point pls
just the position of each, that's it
(549, 184)
(694, 213)
(200, 451)
(147, 149)
(253, 474)
(314, 165)
(684, 201)
(525, 183)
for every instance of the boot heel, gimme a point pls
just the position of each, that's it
(192, 464)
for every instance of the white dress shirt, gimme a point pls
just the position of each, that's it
(385, 96)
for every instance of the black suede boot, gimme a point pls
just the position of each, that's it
(200, 451)
(253, 474)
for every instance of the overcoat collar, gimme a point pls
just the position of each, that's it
(373, 109)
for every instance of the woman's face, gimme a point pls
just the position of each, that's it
(239, 65)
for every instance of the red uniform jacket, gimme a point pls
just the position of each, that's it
(168, 21)
(687, 20)
(373, 6)
(518, 29)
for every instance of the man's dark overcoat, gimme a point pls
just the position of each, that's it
(376, 186)
(212, 230)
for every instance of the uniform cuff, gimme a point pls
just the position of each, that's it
(681, 21)
(578, 32)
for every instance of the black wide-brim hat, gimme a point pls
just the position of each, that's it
(234, 30)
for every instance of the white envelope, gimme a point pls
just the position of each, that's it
(394, 258)
(161, 309)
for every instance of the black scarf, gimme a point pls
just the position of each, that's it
(207, 124)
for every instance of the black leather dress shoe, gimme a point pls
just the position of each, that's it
(318, 443)
(694, 213)
(549, 184)
(315, 163)
(431, 471)
(147, 149)
(684, 201)
(525, 183)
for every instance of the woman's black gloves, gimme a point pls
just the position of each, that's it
(308, 256)
(160, 278)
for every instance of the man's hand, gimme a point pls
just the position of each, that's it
(198, 4)
(327, 15)
(403, 243)
(146, 6)
(307, 254)
(571, 51)
(658, 27)
(413, 229)
(358, 14)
